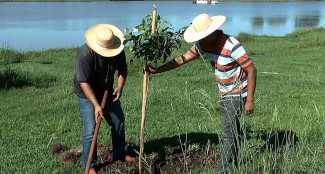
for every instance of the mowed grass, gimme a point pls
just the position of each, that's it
(39, 109)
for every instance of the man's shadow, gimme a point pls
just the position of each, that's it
(278, 141)
(275, 141)
(197, 138)
(159, 146)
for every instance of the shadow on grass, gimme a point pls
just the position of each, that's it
(200, 139)
(168, 154)
(275, 140)
(278, 140)
(159, 146)
(167, 148)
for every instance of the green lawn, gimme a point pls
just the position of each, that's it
(38, 107)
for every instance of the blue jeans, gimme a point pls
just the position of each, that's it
(115, 118)
(231, 108)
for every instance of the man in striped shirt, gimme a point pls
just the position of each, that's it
(235, 75)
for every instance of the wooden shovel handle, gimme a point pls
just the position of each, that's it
(92, 147)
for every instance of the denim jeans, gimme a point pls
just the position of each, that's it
(231, 108)
(114, 116)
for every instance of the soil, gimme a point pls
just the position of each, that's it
(58, 148)
(176, 159)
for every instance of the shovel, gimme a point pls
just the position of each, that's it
(92, 147)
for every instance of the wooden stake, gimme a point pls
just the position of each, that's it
(144, 98)
(93, 143)
(153, 24)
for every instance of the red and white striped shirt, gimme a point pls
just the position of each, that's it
(228, 64)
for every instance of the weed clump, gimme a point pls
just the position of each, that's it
(12, 78)
(245, 37)
(9, 56)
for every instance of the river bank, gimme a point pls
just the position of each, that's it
(144, 0)
(39, 109)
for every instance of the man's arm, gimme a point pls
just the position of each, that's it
(251, 80)
(88, 91)
(174, 63)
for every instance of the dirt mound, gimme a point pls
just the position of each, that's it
(70, 157)
(59, 148)
(177, 159)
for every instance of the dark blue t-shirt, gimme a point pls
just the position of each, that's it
(97, 70)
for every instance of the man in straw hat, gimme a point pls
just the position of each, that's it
(234, 72)
(97, 61)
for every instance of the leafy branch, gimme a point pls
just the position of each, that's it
(156, 46)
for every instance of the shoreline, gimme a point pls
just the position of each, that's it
(151, 0)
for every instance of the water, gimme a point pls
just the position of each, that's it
(41, 25)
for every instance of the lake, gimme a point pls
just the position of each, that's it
(41, 25)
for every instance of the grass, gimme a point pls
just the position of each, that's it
(38, 107)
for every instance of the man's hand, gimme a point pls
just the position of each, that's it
(149, 68)
(117, 94)
(249, 107)
(98, 112)
(251, 76)
(172, 64)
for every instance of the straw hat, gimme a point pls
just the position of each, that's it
(105, 39)
(202, 25)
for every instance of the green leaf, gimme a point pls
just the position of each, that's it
(153, 47)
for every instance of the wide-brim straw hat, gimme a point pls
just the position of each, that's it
(105, 39)
(202, 26)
